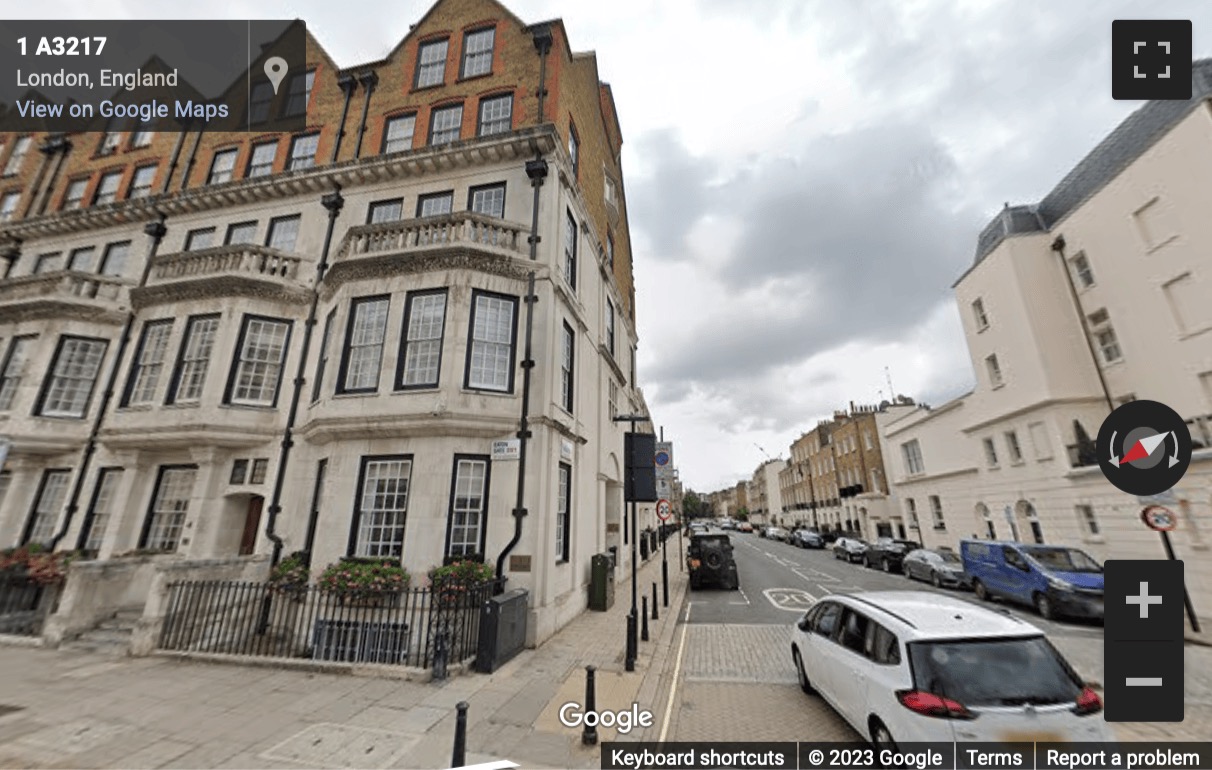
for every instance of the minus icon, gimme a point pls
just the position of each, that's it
(1144, 681)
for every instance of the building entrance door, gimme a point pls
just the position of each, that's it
(252, 522)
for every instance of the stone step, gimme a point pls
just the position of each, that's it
(121, 624)
(93, 648)
(107, 636)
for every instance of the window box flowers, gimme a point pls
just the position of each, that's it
(367, 582)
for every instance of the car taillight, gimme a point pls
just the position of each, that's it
(1088, 702)
(931, 705)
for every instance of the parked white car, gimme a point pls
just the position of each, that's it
(909, 666)
(776, 533)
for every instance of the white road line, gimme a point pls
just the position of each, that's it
(677, 670)
(826, 590)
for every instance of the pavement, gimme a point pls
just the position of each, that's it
(62, 709)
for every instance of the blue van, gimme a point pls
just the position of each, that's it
(1055, 579)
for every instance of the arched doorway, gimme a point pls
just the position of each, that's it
(614, 506)
(984, 521)
(1028, 521)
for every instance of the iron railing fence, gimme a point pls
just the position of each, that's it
(20, 596)
(406, 628)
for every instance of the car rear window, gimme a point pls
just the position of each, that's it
(993, 672)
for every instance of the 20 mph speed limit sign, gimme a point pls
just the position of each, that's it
(1159, 518)
(664, 510)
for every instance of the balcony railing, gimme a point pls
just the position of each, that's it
(241, 260)
(58, 293)
(464, 229)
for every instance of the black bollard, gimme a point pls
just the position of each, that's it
(665, 581)
(589, 735)
(631, 642)
(644, 625)
(460, 740)
(656, 614)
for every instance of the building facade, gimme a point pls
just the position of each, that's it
(765, 495)
(179, 307)
(1096, 296)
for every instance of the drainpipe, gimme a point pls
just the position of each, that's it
(35, 190)
(369, 80)
(333, 203)
(156, 231)
(536, 170)
(57, 145)
(176, 158)
(11, 254)
(348, 85)
(189, 162)
(1058, 246)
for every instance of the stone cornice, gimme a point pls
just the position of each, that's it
(385, 266)
(185, 436)
(423, 425)
(521, 144)
(215, 287)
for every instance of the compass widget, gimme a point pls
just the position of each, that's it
(1144, 448)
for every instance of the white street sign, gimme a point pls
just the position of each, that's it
(508, 449)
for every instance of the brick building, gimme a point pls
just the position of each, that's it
(175, 305)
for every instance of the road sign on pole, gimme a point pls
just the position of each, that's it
(664, 510)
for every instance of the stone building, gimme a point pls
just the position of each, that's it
(179, 307)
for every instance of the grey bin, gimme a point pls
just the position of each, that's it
(502, 629)
(601, 582)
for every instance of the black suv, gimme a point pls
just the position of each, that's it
(710, 561)
(887, 553)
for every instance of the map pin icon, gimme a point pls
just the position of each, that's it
(275, 68)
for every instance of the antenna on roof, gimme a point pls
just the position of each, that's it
(891, 391)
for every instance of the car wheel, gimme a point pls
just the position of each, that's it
(1043, 605)
(881, 738)
(934, 578)
(805, 685)
(887, 565)
(982, 593)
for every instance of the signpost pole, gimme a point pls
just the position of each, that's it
(1186, 594)
(1161, 519)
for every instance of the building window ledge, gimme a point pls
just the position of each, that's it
(465, 78)
(497, 393)
(1094, 539)
(1162, 244)
(1017, 463)
(998, 385)
(1197, 332)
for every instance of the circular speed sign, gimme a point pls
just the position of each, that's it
(1158, 518)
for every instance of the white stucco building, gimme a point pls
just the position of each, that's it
(1099, 294)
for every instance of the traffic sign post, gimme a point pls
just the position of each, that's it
(662, 460)
(1162, 520)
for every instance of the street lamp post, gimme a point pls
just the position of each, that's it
(633, 617)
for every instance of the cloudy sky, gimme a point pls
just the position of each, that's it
(805, 179)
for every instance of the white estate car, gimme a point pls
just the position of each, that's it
(905, 666)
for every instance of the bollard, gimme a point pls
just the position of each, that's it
(439, 656)
(631, 643)
(589, 735)
(665, 581)
(656, 614)
(460, 739)
(644, 626)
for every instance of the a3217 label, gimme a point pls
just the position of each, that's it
(65, 46)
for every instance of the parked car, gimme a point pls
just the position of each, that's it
(910, 666)
(1057, 580)
(830, 537)
(887, 553)
(849, 548)
(709, 559)
(744, 526)
(776, 533)
(806, 538)
(940, 567)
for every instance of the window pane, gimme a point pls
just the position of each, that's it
(262, 161)
(200, 239)
(383, 508)
(431, 64)
(150, 364)
(477, 53)
(17, 157)
(399, 133)
(195, 359)
(260, 363)
(447, 122)
(82, 259)
(103, 507)
(72, 377)
(74, 195)
(8, 206)
(496, 115)
(49, 506)
(491, 345)
(283, 232)
(434, 205)
(364, 356)
(221, 167)
(107, 190)
(489, 201)
(300, 93)
(423, 339)
(141, 183)
(170, 505)
(303, 152)
(467, 508)
(386, 211)
(241, 233)
(14, 370)
(259, 101)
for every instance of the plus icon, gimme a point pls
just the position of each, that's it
(1144, 599)
(1151, 59)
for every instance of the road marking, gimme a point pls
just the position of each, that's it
(743, 596)
(789, 599)
(677, 670)
(826, 590)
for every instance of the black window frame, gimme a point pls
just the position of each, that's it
(132, 371)
(610, 249)
(97, 191)
(568, 341)
(317, 493)
(234, 152)
(387, 121)
(103, 267)
(324, 355)
(233, 368)
(350, 320)
(294, 142)
(513, 345)
(355, 520)
(134, 178)
(485, 101)
(91, 251)
(197, 231)
(258, 471)
(7, 361)
(44, 258)
(174, 382)
(471, 194)
(611, 324)
(402, 359)
(44, 390)
(416, 76)
(66, 205)
(373, 205)
(450, 504)
(267, 89)
(90, 513)
(275, 222)
(492, 51)
(421, 199)
(566, 515)
(145, 530)
(252, 156)
(433, 117)
(568, 270)
(239, 472)
(308, 90)
(28, 529)
(574, 139)
(227, 241)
